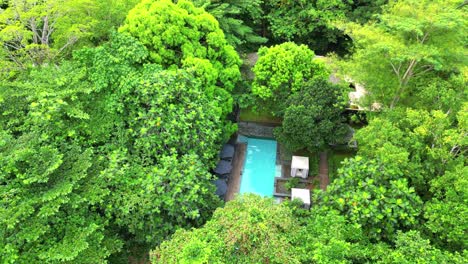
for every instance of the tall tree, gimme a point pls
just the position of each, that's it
(410, 247)
(364, 10)
(182, 35)
(49, 176)
(419, 144)
(236, 18)
(248, 229)
(33, 32)
(411, 41)
(95, 160)
(165, 140)
(376, 198)
(308, 22)
(282, 70)
(43, 31)
(447, 213)
(313, 117)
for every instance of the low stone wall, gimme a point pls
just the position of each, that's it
(252, 129)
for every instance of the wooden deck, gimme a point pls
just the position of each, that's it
(323, 170)
(236, 173)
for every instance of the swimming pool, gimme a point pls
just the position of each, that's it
(259, 171)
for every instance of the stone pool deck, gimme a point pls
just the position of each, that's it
(254, 129)
(312, 181)
(236, 173)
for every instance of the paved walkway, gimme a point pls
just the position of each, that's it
(323, 170)
(236, 173)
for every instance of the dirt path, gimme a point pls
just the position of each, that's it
(323, 170)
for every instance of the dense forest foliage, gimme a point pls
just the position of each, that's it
(113, 112)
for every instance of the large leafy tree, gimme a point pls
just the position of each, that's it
(327, 237)
(447, 213)
(313, 118)
(282, 70)
(49, 177)
(410, 247)
(428, 149)
(33, 32)
(37, 32)
(419, 144)
(248, 229)
(160, 108)
(374, 197)
(109, 15)
(307, 22)
(237, 19)
(412, 42)
(184, 36)
(164, 116)
(94, 160)
(363, 10)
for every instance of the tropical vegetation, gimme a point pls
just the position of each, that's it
(112, 115)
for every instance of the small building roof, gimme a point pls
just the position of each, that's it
(221, 187)
(223, 167)
(227, 151)
(302, 194)
(299, 162)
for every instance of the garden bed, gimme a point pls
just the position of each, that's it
(283, 185)
(258, 116)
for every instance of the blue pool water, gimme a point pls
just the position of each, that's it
(259, 171)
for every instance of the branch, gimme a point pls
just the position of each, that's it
(409, 71)
(462, 4)
(13, 58)
(32, 22)
(71, 41)
(424, 37)
(52, 27)
(15, 47)
(395, 70)
(428, 68)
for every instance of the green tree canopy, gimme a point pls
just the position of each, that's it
(94, 157)
(313, 117)
(49, 177)
(327, 237)
(282, 70)
(248, 229)
(33, 32)
(375, 198)
(182, 35)
(418, 144)
(411, 41)
(364, 10)
(447, 213)
(307, 22)
(236, 18)
(166, 138)
(410, 248)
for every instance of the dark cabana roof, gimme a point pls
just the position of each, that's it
(221, 187)
(227, 152)
(223, 167)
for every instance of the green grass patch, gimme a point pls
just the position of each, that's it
(260, 116)
(334, 162)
